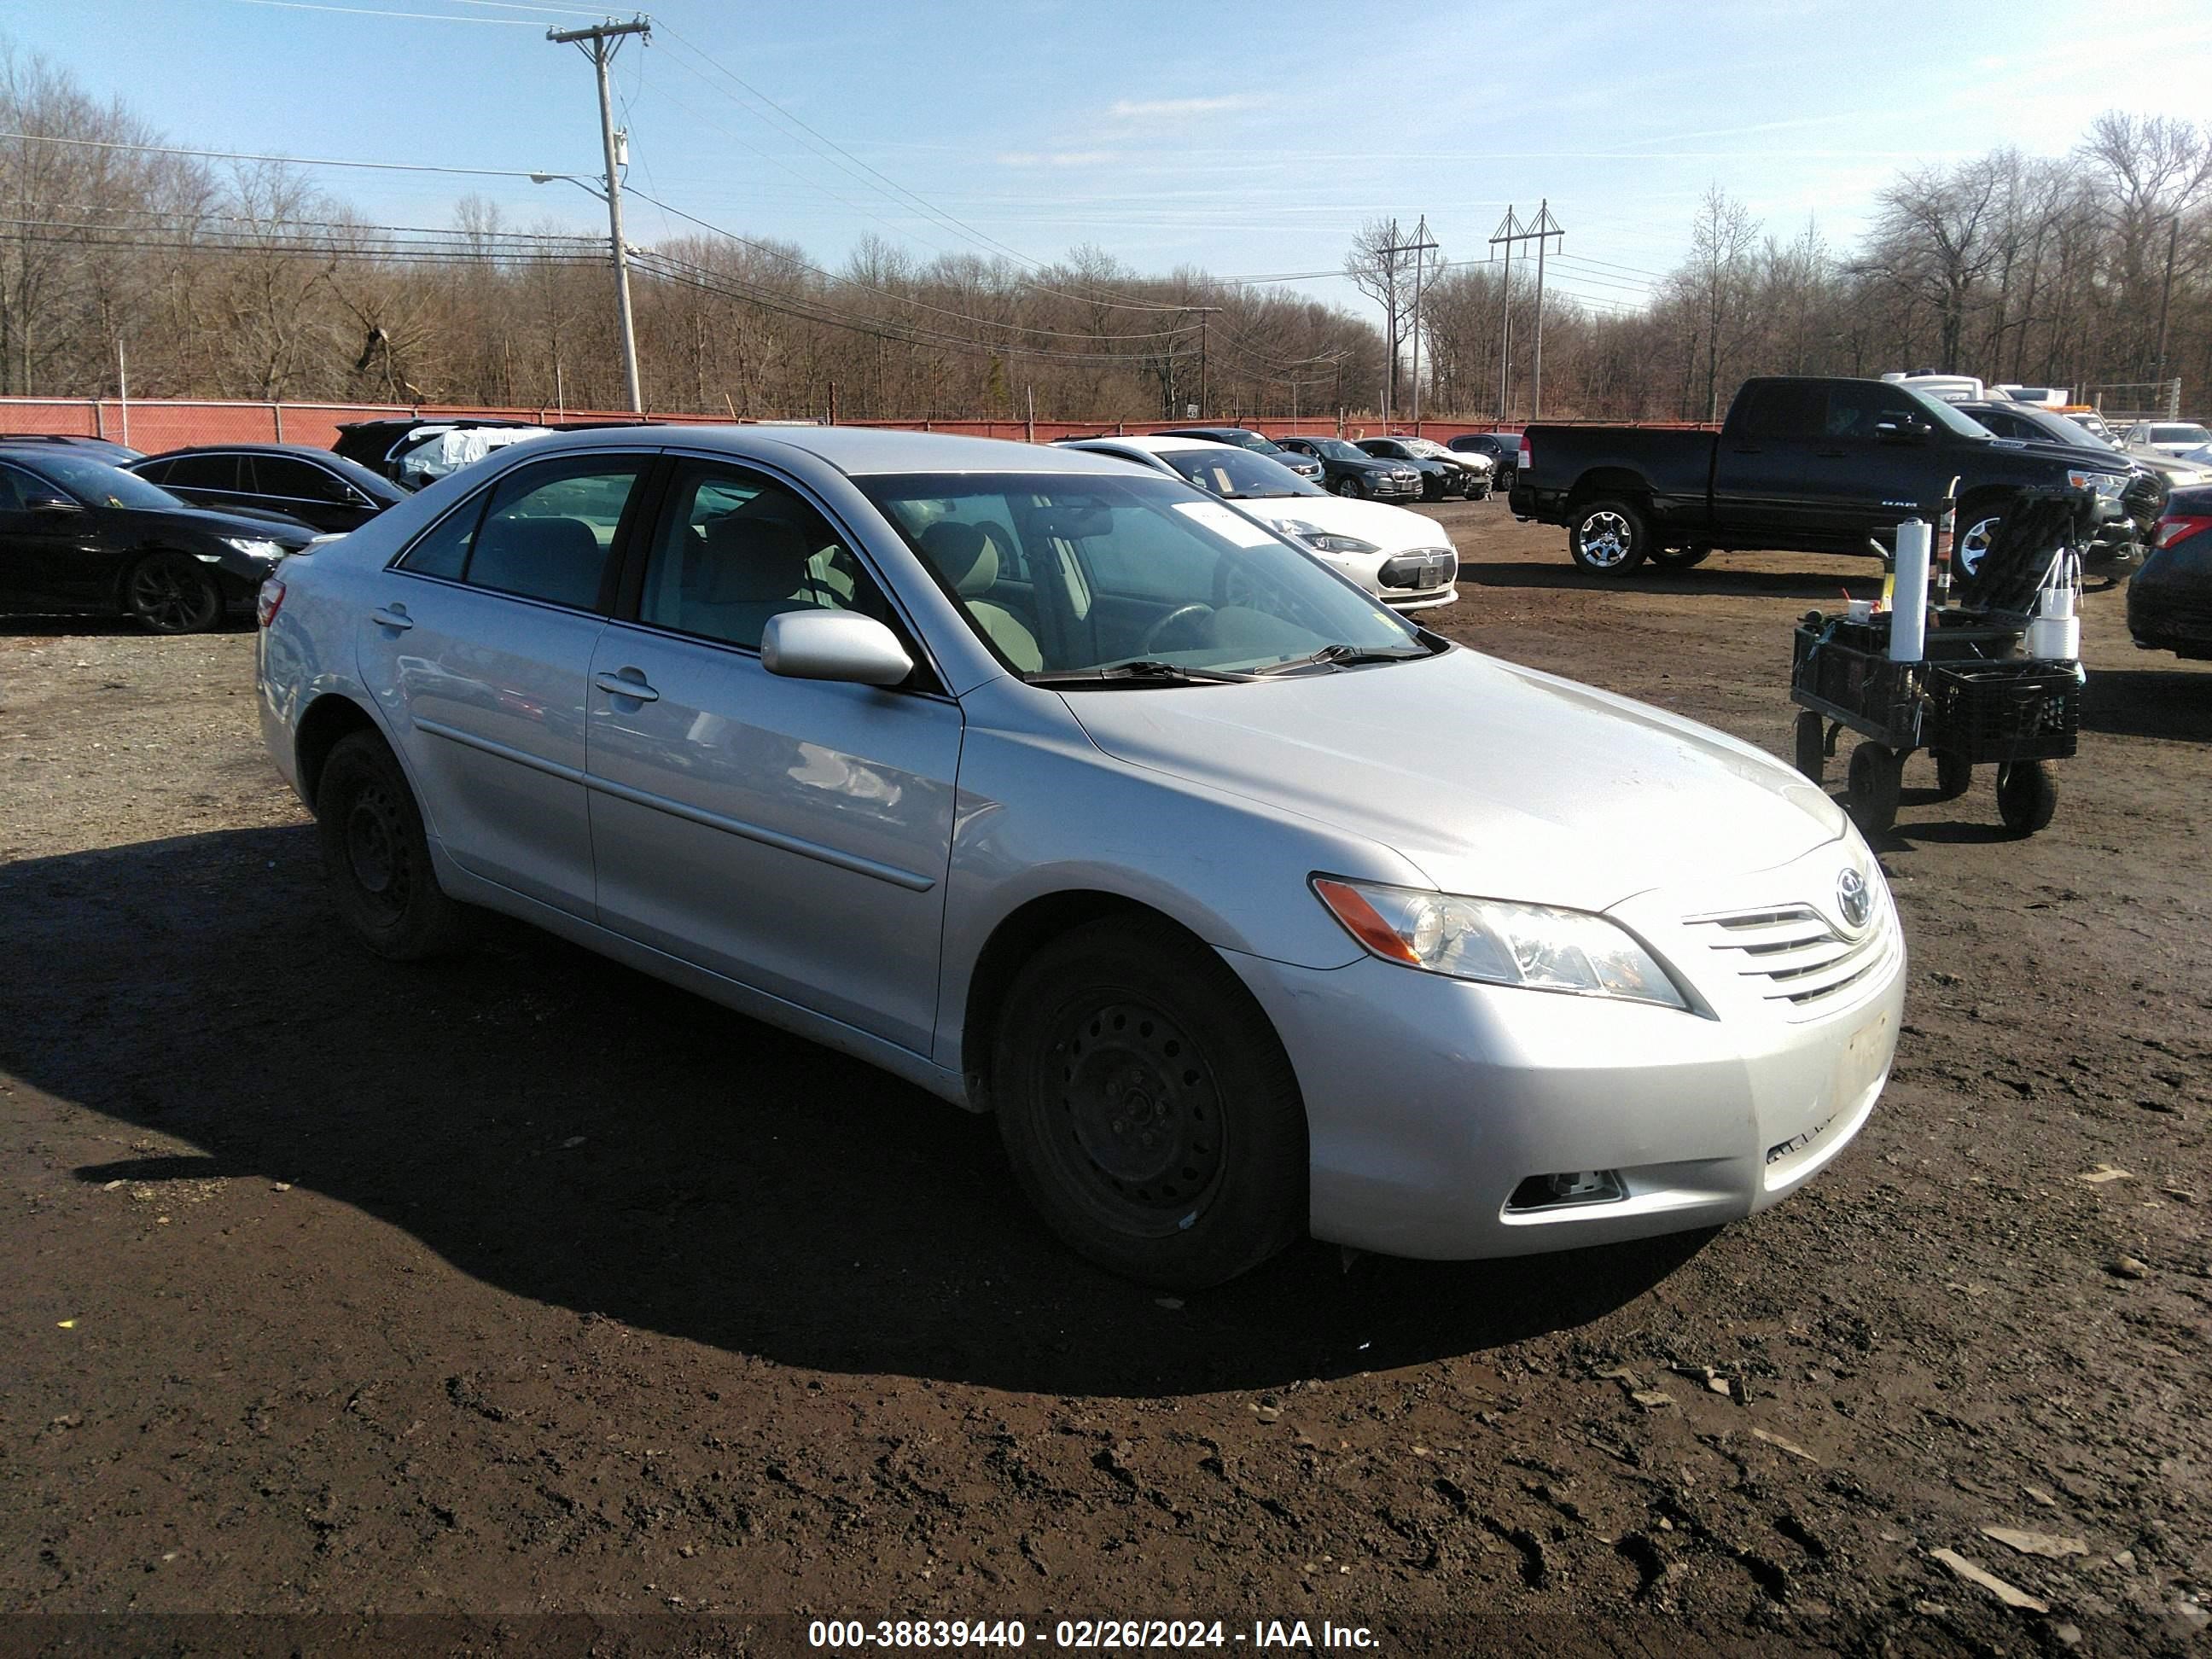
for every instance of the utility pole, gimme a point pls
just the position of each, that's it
(599, 44)
(2165, 292)
(1419, 246)
(1509, 231)
(1202, 313)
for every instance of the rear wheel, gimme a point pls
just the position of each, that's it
(1680, 558)
(376, 856)
(1876, 776)
(1954, 776)
(1147, 1107)
(173, 593)
(2026, 796)
(1609, 537)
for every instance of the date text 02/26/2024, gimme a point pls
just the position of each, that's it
(1097, 1635)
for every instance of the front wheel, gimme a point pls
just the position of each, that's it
(1608, 537)
(1954, 774)
(376, 856)
(1876, 776)
(1505, 477)
(173, 593)
(1147, 1107)
(1347, 487)
(2026, 796)
(1812, 745)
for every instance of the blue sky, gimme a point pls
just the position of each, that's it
(1243, 139)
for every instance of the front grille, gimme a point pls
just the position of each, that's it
(1795, 958)
(1426, 568)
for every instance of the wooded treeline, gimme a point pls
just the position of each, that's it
(208, 279)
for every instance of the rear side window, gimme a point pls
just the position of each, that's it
(544, 533)
(1781, 409)
(201, 472)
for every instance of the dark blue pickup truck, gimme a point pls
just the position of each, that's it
(1805, 464)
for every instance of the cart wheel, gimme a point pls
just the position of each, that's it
(2027, 797)
(1876, 774)
(1812, 745)
(1954, 776)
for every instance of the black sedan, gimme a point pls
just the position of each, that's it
(1347, 470)
(1439, 477)
(78, 535)
(1501, 448)
(324, 491)
(100, 449)
(2170, 601)
(1244, 438)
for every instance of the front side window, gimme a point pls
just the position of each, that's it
(1856, 408)
(17, 488)
(1072, 576)
(735, 547)
(543, 532)
(299, 481)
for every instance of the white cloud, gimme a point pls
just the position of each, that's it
(1057, 158)
(1153, 109)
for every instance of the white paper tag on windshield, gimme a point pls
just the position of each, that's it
(1222, 522)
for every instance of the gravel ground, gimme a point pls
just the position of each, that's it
(525, 1285)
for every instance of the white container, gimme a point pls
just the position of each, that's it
(1861, 610)
(1908, 618)
(2056, 602)
(2055, 639)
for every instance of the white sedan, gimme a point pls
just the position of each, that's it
(1403, 559)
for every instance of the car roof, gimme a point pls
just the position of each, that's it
(858, 452)
(302, 451)
(1156, 443)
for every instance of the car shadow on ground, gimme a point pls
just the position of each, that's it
(577, 1134)
(2149, 702)
(1827, 585)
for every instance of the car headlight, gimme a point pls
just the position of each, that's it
(253, 547)
(1326, 541)
(2107, 485)
(1535, 946)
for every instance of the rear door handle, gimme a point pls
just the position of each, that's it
(624, 685)
(392, 617)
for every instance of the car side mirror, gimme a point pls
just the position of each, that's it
(833, 645)
(52, 504)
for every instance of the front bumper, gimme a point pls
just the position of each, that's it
(1430, 1100)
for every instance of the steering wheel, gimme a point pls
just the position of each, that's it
(1233, 584)
(1180, 614)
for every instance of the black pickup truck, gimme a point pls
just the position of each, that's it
(1807, 464)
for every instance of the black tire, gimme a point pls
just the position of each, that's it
(173, 593)
(2028, 795)
(1954, 776)
(1348, 486)
(1609, 537)
(1147, 1107)
(1503, 481)
(1680, 558)
(1812, 745)
(378, 862)
(1876, 776)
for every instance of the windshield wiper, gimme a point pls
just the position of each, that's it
(1144, 668)
(1343, 656)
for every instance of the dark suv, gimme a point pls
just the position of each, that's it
(1504, 449)
(325, 491)
(1244, 438)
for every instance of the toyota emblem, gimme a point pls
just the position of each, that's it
(1854, 897)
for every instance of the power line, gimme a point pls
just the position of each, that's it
(374, 11)
(287, 160)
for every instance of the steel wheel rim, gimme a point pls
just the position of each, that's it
(375, 848)
(164, 598)
(1974, 544)
(1136, 1128)
(1605, 539)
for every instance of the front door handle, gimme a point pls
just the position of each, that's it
(393, 617)
(630, 684)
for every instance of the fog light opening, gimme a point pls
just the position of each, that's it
(1550, 1192)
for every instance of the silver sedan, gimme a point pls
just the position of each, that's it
(1249, 906)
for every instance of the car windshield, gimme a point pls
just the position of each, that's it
(1425, 446)
(109, 486)
(1945, 415)
(1129, 581)
(1336, 449)
(1237, 475)
(2061, 430)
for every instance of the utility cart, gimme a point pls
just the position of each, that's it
(1971, 698)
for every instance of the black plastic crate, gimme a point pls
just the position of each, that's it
(2003, 711)
(1846, 666)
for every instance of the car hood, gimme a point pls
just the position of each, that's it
(1392, 529)
(1495, 780)
(257, 525)
(2080, 455)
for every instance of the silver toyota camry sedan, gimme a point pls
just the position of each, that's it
(1249, 906)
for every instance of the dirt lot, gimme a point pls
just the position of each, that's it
(524, 1284)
